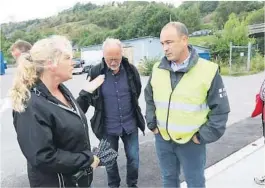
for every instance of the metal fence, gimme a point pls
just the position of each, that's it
(240, 58)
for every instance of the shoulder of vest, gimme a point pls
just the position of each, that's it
(207, 63)
(156, 65)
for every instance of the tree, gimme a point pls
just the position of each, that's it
(225, 8)
(207, 7)
(187, 4)
(158, 20)
(88, 24)
(256, 17)
(234, 31)
(5, 46)
(17, 35)
(191, 17)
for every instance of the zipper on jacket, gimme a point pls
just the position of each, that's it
(84, 125)
(76, 113)
(168, 116)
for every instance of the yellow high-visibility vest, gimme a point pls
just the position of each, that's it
(181, 112)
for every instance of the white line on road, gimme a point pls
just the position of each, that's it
(231, 160)
(5, 104)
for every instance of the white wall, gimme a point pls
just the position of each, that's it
(92, 57)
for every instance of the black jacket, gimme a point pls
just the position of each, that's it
(95, 99)
(53, 138)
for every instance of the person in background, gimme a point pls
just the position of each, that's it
(19, 47)
(52, 130)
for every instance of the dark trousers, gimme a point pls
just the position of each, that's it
(171, 156)
(131, 146)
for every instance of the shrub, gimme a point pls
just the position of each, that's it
(257, 63)
(145, 65)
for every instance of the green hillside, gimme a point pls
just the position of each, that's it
(88, 24)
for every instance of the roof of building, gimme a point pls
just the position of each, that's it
(98, 46)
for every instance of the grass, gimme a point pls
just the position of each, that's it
(257, 62)
(257, 65)
(204, 41)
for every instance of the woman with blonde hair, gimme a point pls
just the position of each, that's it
(52, 130)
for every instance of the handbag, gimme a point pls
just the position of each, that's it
(82, 176)
(259, 106)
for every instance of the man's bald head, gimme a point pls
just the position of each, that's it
(181, 28)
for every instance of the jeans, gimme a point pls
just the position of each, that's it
(191, 156)
(131, 146)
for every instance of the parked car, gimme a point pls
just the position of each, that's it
(78, 66)
(87, 68)
(203, 32)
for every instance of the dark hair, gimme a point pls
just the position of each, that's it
(180, 27)
(22, 45)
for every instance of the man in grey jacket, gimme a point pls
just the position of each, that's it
(174, 148)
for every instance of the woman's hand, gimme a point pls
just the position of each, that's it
(95, 163)
(91, 86)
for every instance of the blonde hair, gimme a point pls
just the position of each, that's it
(31, 66)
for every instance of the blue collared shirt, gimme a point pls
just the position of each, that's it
(178, 66)
(119, 112)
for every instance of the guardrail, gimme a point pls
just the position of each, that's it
(256, 28)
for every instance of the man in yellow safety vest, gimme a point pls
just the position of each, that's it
(186, 108)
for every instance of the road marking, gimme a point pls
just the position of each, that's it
(5, 104)
(234, 158)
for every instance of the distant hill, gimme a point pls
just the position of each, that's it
(87, 24)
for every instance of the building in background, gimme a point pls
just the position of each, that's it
(135, 50)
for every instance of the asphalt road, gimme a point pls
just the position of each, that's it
(240, 132)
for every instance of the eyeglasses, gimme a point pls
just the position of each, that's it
(116, 60)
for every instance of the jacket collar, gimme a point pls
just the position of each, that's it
(40, 89)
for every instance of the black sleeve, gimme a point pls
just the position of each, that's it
(137, 80)
(150, 106)
(35, 139)
(218, 103)
(84, 100)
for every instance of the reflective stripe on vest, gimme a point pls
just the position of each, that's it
(179, 128)
(181, 112)
(182, 106)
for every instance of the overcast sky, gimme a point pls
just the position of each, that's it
(21, 10)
